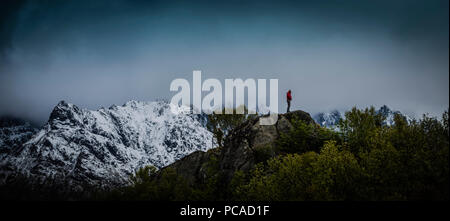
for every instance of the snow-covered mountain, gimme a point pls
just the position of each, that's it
(13, 133)
(104, 147)
(331, 119)
(389, 115)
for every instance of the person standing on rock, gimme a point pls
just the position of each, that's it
(288, 98)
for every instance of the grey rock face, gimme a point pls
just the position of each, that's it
(238, 152)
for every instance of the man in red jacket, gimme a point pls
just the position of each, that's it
(288, 98)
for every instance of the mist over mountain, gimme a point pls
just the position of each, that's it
(103, 52)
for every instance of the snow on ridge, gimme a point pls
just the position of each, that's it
(331, 119)
(108, 145)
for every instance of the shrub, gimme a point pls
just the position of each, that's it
(304, 137)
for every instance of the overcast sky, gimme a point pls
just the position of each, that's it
(331, 54)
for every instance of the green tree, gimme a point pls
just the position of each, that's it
(365, 160)
(220, 123)
(304, 137)
(359, 127)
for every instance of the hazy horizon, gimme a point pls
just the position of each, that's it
(332, 55)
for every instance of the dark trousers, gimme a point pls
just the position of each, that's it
(289, 106)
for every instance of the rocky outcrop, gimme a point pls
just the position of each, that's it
(239, 149)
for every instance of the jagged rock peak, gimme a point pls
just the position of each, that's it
(104, 147)
(63, 111)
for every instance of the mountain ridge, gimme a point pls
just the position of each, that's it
(331, 119)
(104, 147)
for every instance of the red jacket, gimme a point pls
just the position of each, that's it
(288, 96)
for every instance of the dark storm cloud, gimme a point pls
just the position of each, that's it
(333, 54)
(8, 21)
